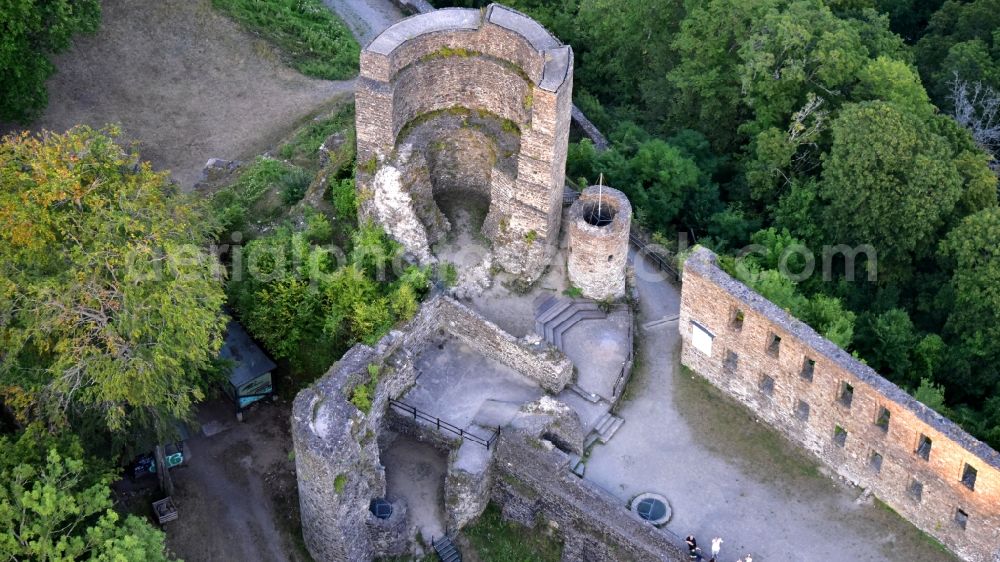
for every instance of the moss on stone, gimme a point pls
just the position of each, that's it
(339, 483)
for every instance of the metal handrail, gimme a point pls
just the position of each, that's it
(657, 259)
(441, 424)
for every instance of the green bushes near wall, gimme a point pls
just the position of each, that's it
(314, 40)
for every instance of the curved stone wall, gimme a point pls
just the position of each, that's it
(495, 61)
(598, 252)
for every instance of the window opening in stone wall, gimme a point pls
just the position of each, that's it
(915, 490)
(924, 447)
(846, 394)
(875, 462)
(808, 368)
(882, 421)
(802, 410)
(961, 518)
(774, 345)
(766, 385)
(839, 436)
(969, 477)
(732, 360)
(736, 322)
(701, 338)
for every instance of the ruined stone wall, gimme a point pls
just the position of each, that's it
(541, 362)
(337, 455)
(598, 253)
(819, 396)
(497, 61)
(533, 486)
(336, 444)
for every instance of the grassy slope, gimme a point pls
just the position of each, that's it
(315, 41)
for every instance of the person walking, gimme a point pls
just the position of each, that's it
(716, 546)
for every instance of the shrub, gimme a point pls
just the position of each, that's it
(31, 32)
(344, 198)
(294, 183)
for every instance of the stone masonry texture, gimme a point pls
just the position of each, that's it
(916, 461)
(497, 62)
(336, 444)
(598, 253)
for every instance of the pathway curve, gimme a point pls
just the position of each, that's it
(727, 475)
(366, 18)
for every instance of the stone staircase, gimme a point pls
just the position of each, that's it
(446, 550)
(554, 316)
(606, 427)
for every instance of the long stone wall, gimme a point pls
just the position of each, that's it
(533, 485)
(496, 61)
(865, 428)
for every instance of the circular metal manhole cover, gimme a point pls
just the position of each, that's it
(652, 507)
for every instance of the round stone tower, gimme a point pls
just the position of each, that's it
(598, 242)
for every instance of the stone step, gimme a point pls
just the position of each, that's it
(565, 319)
(590, 440)
(578, 317)
(446, 550)
(610, 431)
(577, 466)
(588, 396)
(603, 421)
(543, 303)
(551, 312)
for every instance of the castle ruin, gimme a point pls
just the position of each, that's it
(467, 103)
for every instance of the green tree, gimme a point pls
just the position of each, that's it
(111, 306)
(31, 31)
(961, 37)
(887, 342)
(889, 181)
(973, 248)
(55, 506)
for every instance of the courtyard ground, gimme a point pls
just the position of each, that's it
(727, 475)
(186, 82)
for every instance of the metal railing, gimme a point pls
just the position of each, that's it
(650, 252)
(440, 424)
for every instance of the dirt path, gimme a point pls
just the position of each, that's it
(184, 80)
(237, 497)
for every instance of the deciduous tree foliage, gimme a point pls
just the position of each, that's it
(888, 181)
(30, 31)
(109, 303)
(974, 249)
(55, 506)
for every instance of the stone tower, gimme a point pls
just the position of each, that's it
(599, 224)
(472, 101)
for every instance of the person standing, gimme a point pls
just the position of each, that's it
(716, 546)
